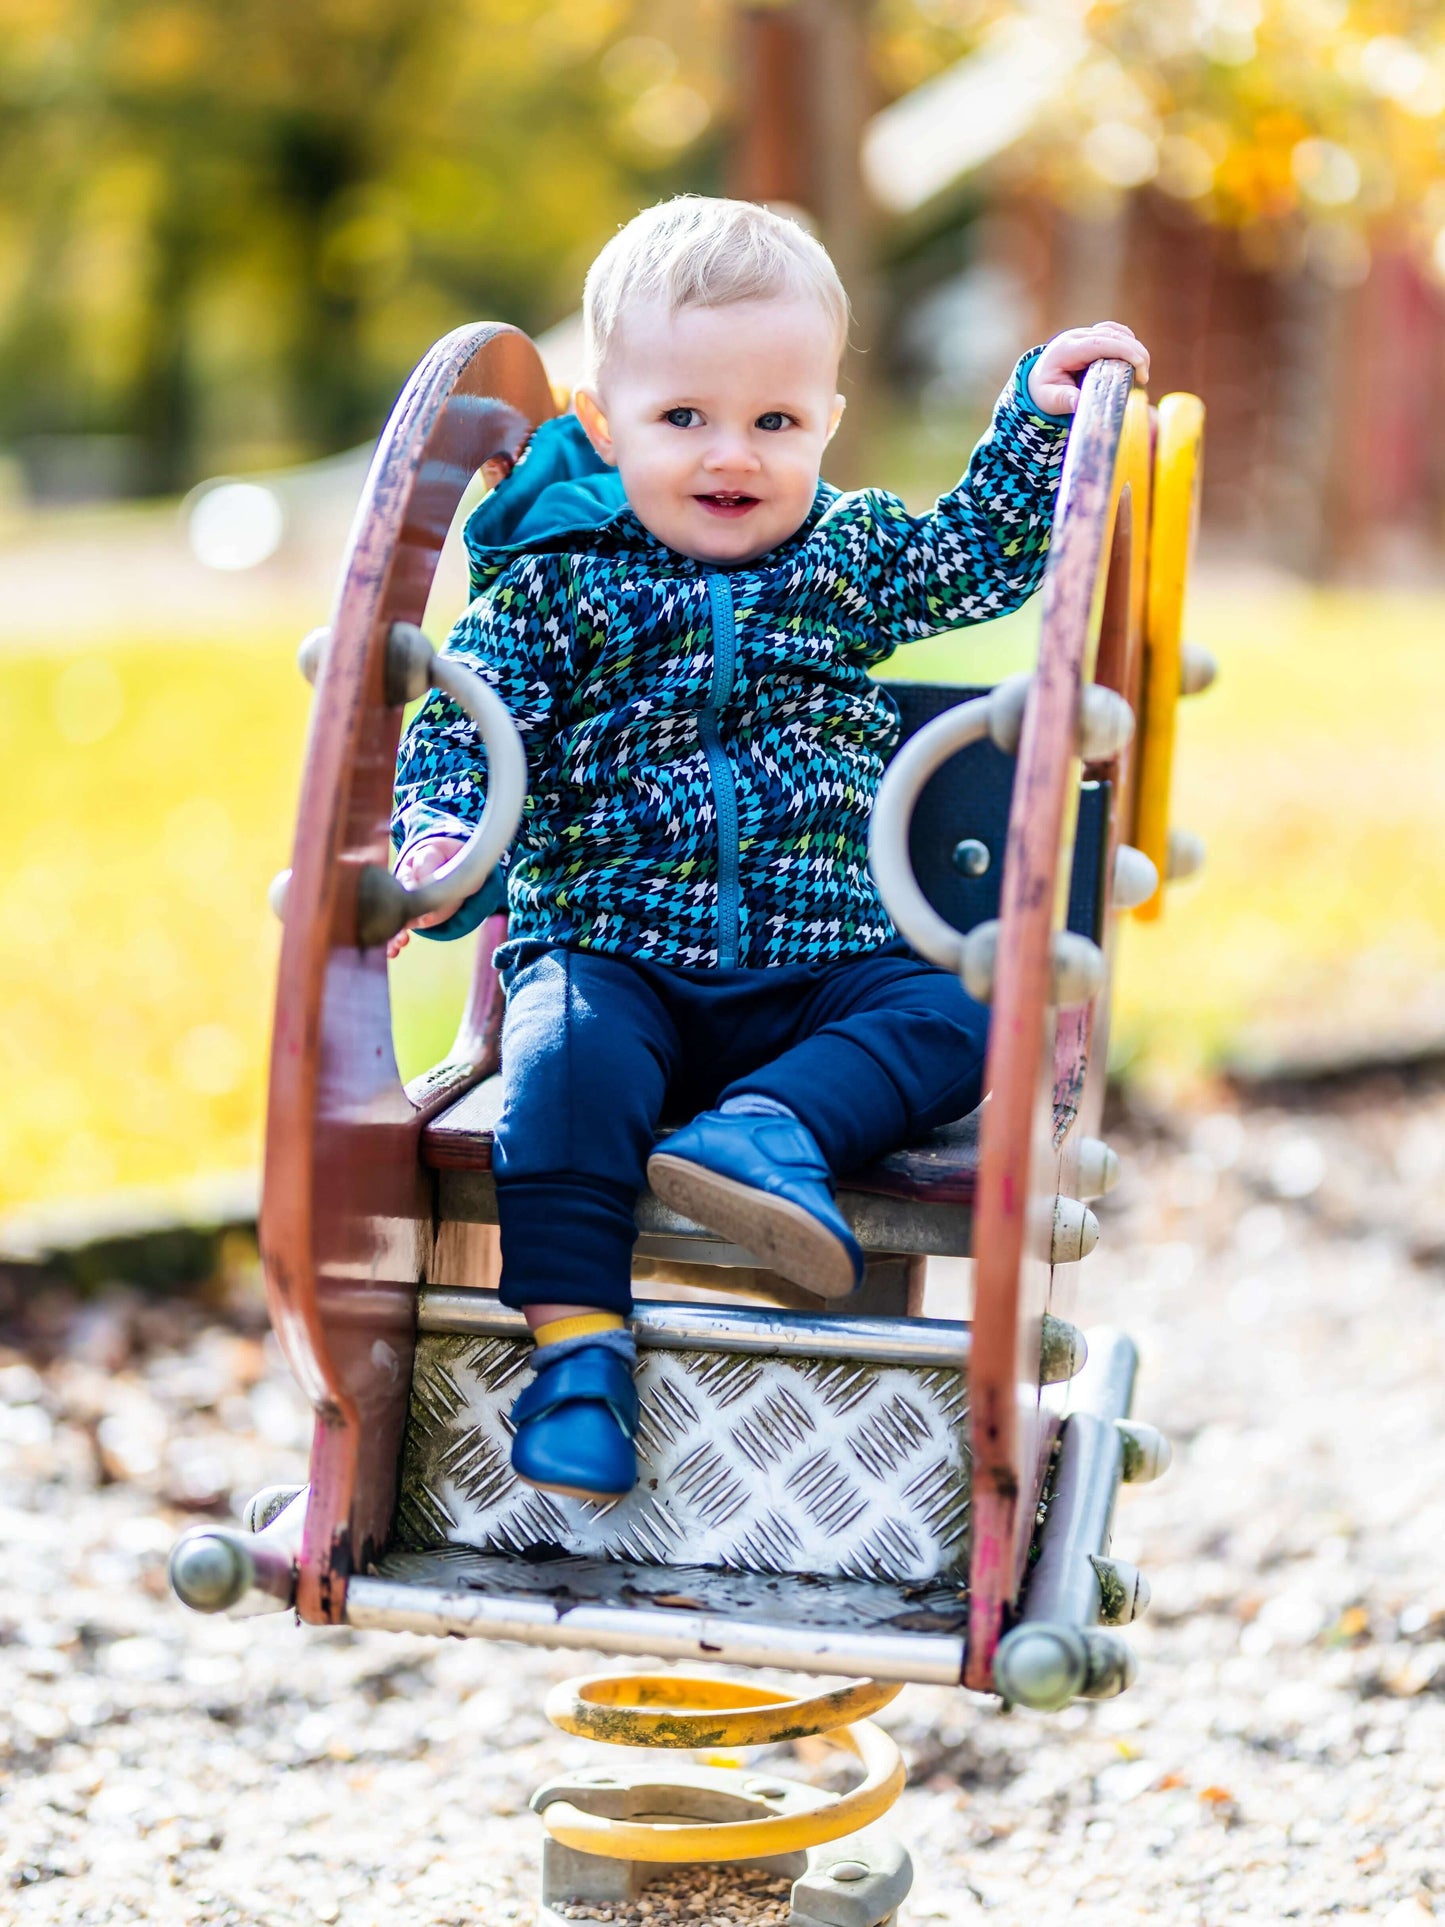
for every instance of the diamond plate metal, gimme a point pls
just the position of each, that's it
(824, 1466)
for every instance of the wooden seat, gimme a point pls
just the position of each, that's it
(916, 1200)
(938, 1168)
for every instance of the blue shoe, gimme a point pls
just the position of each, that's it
(761, 1182)
(575, 1424)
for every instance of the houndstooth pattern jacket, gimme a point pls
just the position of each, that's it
(704, 746)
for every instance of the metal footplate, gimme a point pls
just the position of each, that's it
(803, 1502)
(803, 1499)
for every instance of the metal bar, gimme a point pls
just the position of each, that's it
(1053, 1654)
(729, 1328)
(1063, 1586)
(921, 1658)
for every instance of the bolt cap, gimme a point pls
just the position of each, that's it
(209, 1571)
(1041, 1666)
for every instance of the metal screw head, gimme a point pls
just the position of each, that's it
(208, 1572)
(848, 1870)
(970, 857)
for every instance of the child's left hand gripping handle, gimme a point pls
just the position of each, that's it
(386, 906)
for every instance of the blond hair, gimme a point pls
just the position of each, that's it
(696, 251)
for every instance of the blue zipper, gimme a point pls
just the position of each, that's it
(724, 783)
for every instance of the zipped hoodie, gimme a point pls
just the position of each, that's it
(704, 744)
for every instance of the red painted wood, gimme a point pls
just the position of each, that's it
(346, 1213)
(1018, 1160)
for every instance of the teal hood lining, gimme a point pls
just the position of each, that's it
(561, 488)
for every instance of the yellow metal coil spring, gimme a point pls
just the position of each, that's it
(659, 1710)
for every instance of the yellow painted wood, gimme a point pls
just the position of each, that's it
(1173, 523)
(1134, 471)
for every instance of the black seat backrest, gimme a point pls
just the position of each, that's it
(968, 800)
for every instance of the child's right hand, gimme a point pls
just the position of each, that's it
(418, 863)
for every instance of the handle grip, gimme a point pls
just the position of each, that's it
(385, 905)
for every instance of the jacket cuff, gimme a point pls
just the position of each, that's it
(1021, 393)
(486, 902)
(422, 823)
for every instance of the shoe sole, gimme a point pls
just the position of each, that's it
(782, 1234)
(576, 1492)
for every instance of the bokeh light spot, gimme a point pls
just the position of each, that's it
(235, 525)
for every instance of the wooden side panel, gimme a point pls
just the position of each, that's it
(346, 1214)
(1019, 1158)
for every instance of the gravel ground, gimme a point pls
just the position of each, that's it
(1282, 1757)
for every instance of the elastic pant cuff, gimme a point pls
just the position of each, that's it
(566, 1241)
(620, 1343)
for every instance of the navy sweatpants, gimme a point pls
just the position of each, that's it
(868, 1051)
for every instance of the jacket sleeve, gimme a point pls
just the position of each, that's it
(980, 550)
(514, 636)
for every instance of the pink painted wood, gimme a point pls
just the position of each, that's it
(1031, 1059)
(345, 1219)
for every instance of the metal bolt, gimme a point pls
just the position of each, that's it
(209, 1571)
(848, 1870)
(971, 858)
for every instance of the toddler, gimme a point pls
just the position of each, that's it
(681, 618)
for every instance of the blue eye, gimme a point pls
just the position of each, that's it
(679, 417)
(773, 419)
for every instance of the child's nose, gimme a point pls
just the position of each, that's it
(731, 454)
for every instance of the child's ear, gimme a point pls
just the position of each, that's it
(840, 402)
(589, 412)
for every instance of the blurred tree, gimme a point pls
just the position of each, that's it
(1314, 127)
(227, 229)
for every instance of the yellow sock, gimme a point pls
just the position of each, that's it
(585, 1325)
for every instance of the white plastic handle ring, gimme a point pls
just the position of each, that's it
(903, 781)
(443, 894)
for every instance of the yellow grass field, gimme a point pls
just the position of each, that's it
(152, 788)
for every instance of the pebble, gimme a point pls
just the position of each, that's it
(1282, 1757)
(698, 1897)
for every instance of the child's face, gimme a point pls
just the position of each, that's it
(716, 419)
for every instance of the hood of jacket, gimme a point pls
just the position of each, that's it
(560, 491)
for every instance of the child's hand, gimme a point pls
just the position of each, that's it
(1052, 387)
(419, 862)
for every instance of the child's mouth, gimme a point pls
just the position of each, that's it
(727, 502)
